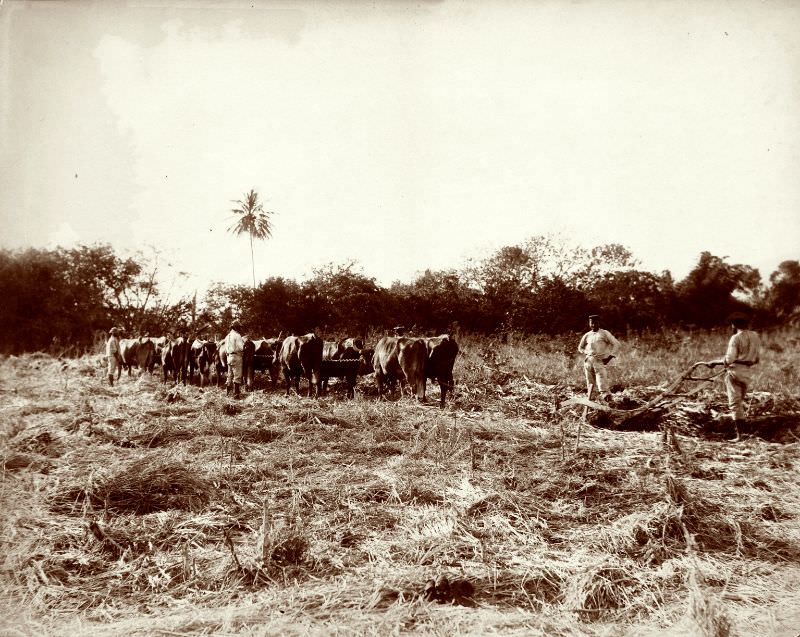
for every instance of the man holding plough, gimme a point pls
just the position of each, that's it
(598, 346)
(744, 349)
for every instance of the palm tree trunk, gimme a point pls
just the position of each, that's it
(252, 261)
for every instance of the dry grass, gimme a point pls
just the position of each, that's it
(143, 509)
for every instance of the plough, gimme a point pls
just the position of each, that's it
(667, 398)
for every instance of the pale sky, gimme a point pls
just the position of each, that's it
(406, 135)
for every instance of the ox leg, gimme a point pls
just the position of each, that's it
(317, 378)
(379, 381)
(443, 385)
(420, 389)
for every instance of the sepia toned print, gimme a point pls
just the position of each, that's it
(383, 318)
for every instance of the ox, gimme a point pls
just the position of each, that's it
(201, 358)
(442, 351)
(401, 358)
(175, 359)
(136, 352)
(260, 355)
(349, 363)
(301, 356)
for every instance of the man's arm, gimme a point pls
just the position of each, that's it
(613, 342)
(582, 344)
(730, 354)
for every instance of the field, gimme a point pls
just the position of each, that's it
(146, 509)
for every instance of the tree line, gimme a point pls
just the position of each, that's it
(66, 299)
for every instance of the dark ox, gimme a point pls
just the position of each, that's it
(302, 356)
(398, 358)
(349, 363)
(260, 356)
(137, 352)
(175, 359)
(201, 359)
(442, 351)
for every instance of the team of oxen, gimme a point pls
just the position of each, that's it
(411, 361)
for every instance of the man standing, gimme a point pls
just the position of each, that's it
(234, 345)
(744, 350)
(113, 355)
(598, 347)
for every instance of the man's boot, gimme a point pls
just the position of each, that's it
(228, 389)
(111, 379)
(236, 391)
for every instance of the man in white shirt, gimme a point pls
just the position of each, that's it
(598, 347)
(742, 355)
(234, 345)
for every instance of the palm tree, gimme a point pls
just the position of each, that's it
(253, 220)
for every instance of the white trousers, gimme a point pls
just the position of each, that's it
(737, 381)
(596, 375)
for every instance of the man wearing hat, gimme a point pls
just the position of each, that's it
(234, 345)
(113, 355)
(598, 347)
(742, 355)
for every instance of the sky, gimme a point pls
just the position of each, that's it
(401, 135)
